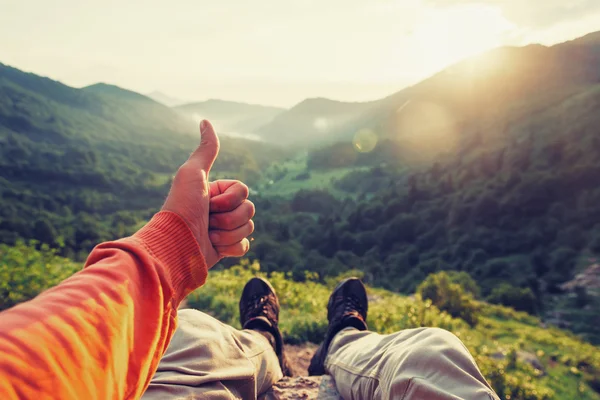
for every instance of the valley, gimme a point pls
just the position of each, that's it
(489, 169)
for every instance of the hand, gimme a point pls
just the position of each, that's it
(193, 198)
(230, 218)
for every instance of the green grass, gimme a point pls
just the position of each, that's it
(570, 365)
(282, 178)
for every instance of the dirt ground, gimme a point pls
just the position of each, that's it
(300, 356)
(302, 386)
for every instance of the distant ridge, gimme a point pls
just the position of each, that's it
(165, 99)
(113, 90)
(312, 120)
(217, 104)
(230, 116)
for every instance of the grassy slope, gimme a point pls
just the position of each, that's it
(570, 365)
(281, 178)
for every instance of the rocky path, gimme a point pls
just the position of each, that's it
(302, 386)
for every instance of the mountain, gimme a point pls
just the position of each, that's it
(504, 84)
(311, 121)
(165, 99)
(491, 168)
(79, 165)
(520, 215)
(230, 117)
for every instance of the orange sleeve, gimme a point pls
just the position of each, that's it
(101, 333)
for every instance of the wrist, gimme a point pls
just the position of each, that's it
(170, 240)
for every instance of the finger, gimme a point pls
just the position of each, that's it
(226, 238)
(235, 250)
(230, 199)
(221, 185)
(206, 153)
(232, 219)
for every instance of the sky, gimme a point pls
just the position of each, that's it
(273, 52)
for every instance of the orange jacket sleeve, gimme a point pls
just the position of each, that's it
(101, 333)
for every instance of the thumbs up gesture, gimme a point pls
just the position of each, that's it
(218, 213)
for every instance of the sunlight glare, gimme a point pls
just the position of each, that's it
(365, 141)
(428, 128)
(451, 34)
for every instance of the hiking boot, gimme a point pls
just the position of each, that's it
(347, 307)
(259, 311)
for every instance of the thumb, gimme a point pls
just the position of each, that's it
(205, 155)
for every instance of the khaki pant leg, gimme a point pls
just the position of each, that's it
(207, 359)
(423, 363)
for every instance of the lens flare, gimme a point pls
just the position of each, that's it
(364, 141)
(426, 128)
(321, 124)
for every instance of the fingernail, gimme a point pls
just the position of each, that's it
(203, 126)
(214, 237)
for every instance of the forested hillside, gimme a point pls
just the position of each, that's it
(490, 91)
(525, 214)
(78, 166)
(490, 167)
(505, 186)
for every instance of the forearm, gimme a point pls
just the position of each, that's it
(101, 333)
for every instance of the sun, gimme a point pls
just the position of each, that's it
(448, 35)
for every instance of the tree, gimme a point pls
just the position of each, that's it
(464, 280)
(449, 297)
(521, 299)
(561, 267)
(44, 232)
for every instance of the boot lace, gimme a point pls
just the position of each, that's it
(353, 304)
(261, 306)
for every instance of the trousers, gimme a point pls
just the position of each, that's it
(207, 359)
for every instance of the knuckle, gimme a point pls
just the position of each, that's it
(219, 221)
(244, 190)
(184, 173)
(230, 202)
(180, 172)
(185, 167)
(251, 208)
(210, 141)
(229, 221)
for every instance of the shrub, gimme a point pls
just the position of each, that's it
(449, 297)
(316, 201)
(521, 299)
(26, 271)
(303, 176)
(595, 242)
(562, 264)
(465, 281)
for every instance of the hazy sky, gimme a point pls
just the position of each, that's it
(274, 52)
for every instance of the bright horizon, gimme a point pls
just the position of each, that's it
(272, 52)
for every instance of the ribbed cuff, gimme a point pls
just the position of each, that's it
(171, 241)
